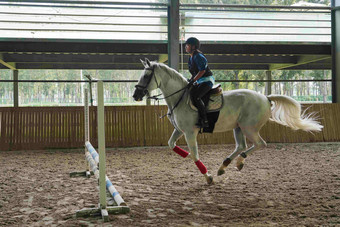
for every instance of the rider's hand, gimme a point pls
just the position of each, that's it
(191, 82)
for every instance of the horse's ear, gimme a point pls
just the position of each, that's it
(148, 62)
(144, 63)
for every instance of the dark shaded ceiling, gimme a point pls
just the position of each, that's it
(103, 54)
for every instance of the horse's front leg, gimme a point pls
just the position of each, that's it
(172, 143)
(191, 139)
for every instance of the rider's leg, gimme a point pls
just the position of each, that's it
(197, 92)
(240, 146)
(194, 95)
(194, 91)
(203, 113)
(172, 143)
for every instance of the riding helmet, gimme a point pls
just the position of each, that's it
(193, 41)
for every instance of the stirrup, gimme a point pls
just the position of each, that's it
(205, 124)
(202, 124)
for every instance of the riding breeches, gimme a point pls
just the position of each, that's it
(199, 90)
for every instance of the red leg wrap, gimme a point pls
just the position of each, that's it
(180, 151)
(201, 167)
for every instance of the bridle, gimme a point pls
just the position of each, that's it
(155, 97)
(148, 80)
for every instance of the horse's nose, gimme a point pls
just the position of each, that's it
(135, 96)
(137, 99)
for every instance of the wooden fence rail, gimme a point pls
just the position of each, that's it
(31, 128)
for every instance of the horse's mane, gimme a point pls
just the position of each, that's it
(171, 72)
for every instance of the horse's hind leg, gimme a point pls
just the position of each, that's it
(258, 143)
(240, 146)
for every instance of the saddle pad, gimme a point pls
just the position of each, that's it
(215, 103)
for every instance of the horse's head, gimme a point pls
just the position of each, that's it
(145, 83)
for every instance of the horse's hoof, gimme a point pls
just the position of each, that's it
(240, 163)
(210, 179)
(220, 172)
(240, 166)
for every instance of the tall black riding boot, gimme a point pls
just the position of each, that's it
(203, 121)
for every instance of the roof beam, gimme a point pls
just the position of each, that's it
(9, 65)
(302, 60)
(162, 58)
(233, 66)
(81, 58)
(65, 46)
(295, 49)
(119, 54)
(251, 59)
(127, 66)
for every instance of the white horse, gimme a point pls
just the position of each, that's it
(243, 111)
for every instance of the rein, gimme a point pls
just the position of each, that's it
(155, 97)
(173, 108)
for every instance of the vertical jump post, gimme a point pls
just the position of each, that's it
(101, 146)
(96, 164)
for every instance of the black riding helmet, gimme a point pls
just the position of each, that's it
(193, 41)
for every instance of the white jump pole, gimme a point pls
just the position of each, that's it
(94, 160)
(109, 186)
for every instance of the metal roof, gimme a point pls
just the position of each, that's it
(39, 34)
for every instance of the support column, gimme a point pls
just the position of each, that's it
(268, 87)
(15, 88)
(173, 34)
(335, 15)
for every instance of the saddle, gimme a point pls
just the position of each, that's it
(213, 100)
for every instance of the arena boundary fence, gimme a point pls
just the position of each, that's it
(32, 128)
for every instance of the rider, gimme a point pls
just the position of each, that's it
(202, 79)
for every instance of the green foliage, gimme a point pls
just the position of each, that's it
(63, 94)
(312, 98)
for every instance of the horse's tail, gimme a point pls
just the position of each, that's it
(286, 111)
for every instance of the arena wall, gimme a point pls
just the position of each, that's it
(32, 128)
